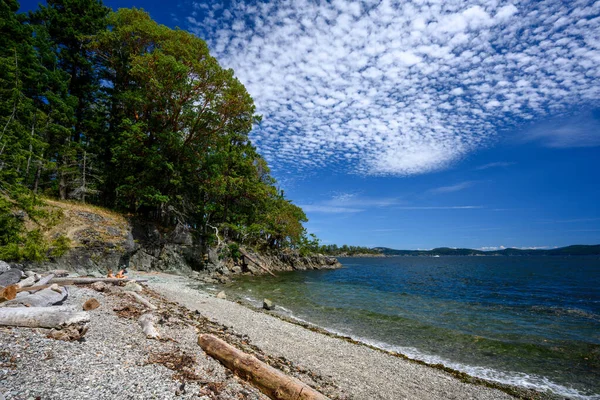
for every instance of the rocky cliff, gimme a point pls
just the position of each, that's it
(102, 240)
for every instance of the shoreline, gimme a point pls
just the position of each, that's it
(513, 390)
(382, 374)
(115, 358)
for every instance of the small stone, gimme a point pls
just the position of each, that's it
(91, 304)
(100, 286)
(236, 270)
(29, 273)
(268, 304)
(133, 287)
(221, 295)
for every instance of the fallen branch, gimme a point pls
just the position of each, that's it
(146, 321)
(269, 380)
(44, 298)
(245, 254)
(42, 317)
(87, 281)
(45, 280)
(142, 300)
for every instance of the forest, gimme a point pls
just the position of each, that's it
(113, 109)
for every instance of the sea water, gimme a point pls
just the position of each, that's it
(527, 321)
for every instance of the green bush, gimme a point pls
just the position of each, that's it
(35, 247)
(234, 251)
(60, 246)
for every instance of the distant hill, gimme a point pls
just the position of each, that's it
(575, 250)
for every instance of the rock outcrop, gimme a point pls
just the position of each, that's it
(102, 240)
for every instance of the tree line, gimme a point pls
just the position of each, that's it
(114, 109)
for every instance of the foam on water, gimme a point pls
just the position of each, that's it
(529, 381)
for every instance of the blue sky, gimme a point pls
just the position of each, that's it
(419, 124)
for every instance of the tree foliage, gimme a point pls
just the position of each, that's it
(115, 109)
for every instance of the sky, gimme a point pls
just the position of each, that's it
(420, 124)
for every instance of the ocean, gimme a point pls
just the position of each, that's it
(527, 321)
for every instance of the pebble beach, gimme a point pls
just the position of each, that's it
(116, 360)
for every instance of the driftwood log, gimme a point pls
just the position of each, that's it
(269, 380)
(142, 300)
(87, 281)
(42, 317)
(147, 321)
(29, 281)
(10, 277)
(8, 293)
(45, 280)
(44, 298)
(245, 254)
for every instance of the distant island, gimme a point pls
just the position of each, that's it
(575, 250)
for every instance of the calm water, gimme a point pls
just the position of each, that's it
(527, 321)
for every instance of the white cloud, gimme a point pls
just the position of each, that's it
(349, 203)
(498, 164)
(440, 208)
(404, 87)
(580, 131)
(316, 208)
(453, 188)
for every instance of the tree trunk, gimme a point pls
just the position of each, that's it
(269, 380)
(38, 173)
(42, 317)
(142, 300)
(86, 281)
(43, 298)
(245, 254)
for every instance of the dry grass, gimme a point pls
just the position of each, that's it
(80, 221)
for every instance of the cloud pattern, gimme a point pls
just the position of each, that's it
(401, 87)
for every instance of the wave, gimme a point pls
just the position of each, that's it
(520, 379)
(513, 378)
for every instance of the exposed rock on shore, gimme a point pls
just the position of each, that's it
(102, 240)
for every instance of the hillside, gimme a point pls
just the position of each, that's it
(575, 250)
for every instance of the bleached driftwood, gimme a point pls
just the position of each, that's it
(147, 321)
(45, 280)
(86, 281)
(44, 298)
(142, 300)
(59, 272)
(10, 277)
(26, 282)
(269, 380)
(42, 317)
(245, 254)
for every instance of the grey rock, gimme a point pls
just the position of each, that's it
(4, 266)
(268, 304)
(133, 287)
(224, 270)
(236, 270)
(181, 235)
(213, 256)
(221, 295)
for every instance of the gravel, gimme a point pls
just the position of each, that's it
(111, 361)
(345, 370)
(116, 361)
